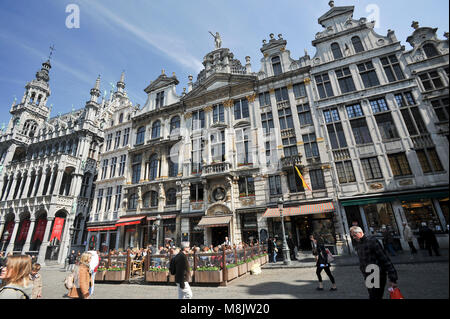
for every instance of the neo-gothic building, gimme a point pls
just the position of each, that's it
(364, 121)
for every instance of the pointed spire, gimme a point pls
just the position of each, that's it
(95, 91)
(121, 84)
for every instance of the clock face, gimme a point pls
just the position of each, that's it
(219, 193)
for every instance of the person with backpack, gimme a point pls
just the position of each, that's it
(81, 282)
(16, 275)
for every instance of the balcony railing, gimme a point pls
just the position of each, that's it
(422, 141)
(341, 154)
(291, 161)
(288, 132)
(216, 168)
(283, 104)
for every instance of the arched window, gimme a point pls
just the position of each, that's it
(156, 129)
(336, 49)
(33, 95)
(39, 99)
(175, 125)
(276, 65)
(140, 136)
(29, 128)
(357, 44)
(153, 199)
(132, 202)
(153, 173)
(171, 197)
(430, 50)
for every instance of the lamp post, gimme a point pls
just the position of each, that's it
(286, 254)
(156, 227)
(71, 231)
(5, 238)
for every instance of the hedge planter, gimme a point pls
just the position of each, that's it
(208, 276)
(115, 275)
(233, 272)
(250, 264)
(100, 276)
(156, 276)
(242, 269)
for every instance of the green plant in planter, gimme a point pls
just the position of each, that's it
(102, 269)
(158, 269)
(231, 266)
(240, 263)
(115, 268)
(210, 268)
(248, 260)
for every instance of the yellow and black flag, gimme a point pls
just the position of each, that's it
(301, 177)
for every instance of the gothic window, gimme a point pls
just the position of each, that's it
(29, 128)
(336, 49)
(357, 44)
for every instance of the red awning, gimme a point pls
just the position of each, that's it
(125, 221)
(301, 210)
(162, 217)
(91, 229)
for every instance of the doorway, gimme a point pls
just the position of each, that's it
(218, 235)
(304, 230)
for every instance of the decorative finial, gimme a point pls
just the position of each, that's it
(280, 37)
(306, 52)
(122, 77)
(264, 41)
(415, 25)
(173, 74)
(190, 77)
(162, 71)
(52, 48)
(271, 36)
(331, 4)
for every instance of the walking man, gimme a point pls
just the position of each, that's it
(372, 256)
(179, 266)
(429, 239)
(408, 235)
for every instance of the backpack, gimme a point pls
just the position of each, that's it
(18, 289)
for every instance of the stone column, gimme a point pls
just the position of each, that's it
(11, 190)
(41, 184)
(58, 181)
(26, 247)
(27, 186)
(2, 226)
(164, 164)
(75, 184)
(13, 236)
(23, 183)
(45, 242)
(65, 240)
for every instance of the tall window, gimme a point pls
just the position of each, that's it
(392, 68)
(136, 169)
(218, 146)
(371, 168)
(399, 164)
(294, 182)
(334, 128)
(336, 49)
(275, 185)
(244, 155)
(160, 99)
(108, 142)
(246, 186)
(150, 199)
(317, 180)
(299, 90)
(386, 126)
(198, 120)
(361, 131)
(108, 198)
(218, 114)
(118, 198)
(153, 172)
(345, 80)
(117, 139)
(197, 155)
(285, 117)
(304, 114)
(267, 122)
(120, 118)
(357, 44)
(123, 160)
(281, 94)
(290, 146)
(112, 171)
(171, 197)
(264, 99)
(196, 193)
(104, 168)
(354, 110)
(126, 135)
(431, 80)
(310, 144)
(156, 129)
(276, 65)
(368, 74)
(379, 105)
(429, 160)
(345, 172)
(140, 136)
(241, 109)
(441, 108)
(175, 125)
(132, 201)
(410, 113)
(324, 86)
(172, 158)
(99, 200)
(430, 50)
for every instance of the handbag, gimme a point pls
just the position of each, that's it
(330, 257)
(395, 293)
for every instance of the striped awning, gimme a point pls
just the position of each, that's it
(214, 221)
(101, 228)
(301, 210)
(162, 217)
(125, 221)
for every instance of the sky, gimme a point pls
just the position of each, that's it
(143, 37)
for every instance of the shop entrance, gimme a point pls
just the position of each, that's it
(304, 230)
(218, 235)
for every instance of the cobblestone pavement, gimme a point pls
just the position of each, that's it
(416, 281)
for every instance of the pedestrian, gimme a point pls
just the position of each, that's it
(408, 235)
(36, 279)
(322, 263)
(93, 266)
(388, 240)
(292, 247)
(72, 259)
(429, 239)
(16, 277)
(179, 267)
(82, 278)
(226, 242)
(370, 253)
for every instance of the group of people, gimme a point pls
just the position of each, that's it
(19, 277)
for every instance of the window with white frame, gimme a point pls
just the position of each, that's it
(117, 140)
(267, 122)
(243, 144)
(126, 135)
(285, 118)
(108, 198)
(241, 110)
(335, 129)
(198, 120)
(118, 197)
(197, 155)
(275, 185)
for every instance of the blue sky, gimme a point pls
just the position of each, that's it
(143, 37)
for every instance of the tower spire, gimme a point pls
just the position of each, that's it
(95, 91)
(121, 84)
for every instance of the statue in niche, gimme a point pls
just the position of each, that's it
(217, 40)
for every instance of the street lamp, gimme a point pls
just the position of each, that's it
(5, 238)
(71, 231)
(156, 227)
(286, 254)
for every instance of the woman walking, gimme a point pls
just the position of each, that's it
(82, 279)
(16, 275)
(322, 263)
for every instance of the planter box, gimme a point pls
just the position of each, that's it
(156, 276)
(233, 273)
(242, 269)
(214, 276)
(250, 264)
(115, 275)
(100, 276)
(172, 278)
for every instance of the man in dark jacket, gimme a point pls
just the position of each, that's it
(72, 261)
(372, 255)
(179, 266)
(429, 239)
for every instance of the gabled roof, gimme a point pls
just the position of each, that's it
(336, 11)
(161, 82)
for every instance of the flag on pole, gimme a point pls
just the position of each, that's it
(301, 177)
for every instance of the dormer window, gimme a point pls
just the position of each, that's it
(430, 50)
(159, 99)
(336, 49)
(357, 44)
(276, 65)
